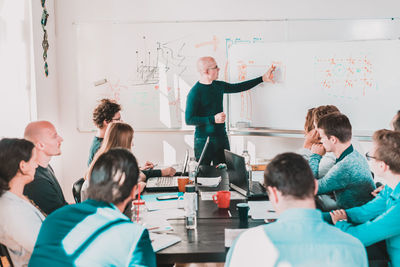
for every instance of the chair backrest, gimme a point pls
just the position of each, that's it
(76, 190)
(5, 259)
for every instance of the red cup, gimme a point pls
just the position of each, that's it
(182, 182)
(222, 199)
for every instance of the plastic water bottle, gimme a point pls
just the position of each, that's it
(192, 169)
(139, 211)
(190, 199)
(246, 156)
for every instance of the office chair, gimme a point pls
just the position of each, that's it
(5, 259)
(76, 190)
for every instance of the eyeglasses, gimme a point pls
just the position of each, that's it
(214, 68)
(369, 157)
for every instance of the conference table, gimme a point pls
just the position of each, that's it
(207, 242)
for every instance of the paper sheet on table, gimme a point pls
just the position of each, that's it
(167, 214)
(262, 210)
(209, 181)
(161, 241)
(208, 195)
(157, 226)
(164, 205)
(153, 204)
(156, 221)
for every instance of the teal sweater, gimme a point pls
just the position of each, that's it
(204, 101)
(92, 233)
(377, 220)
(96, 144)
(349, 179)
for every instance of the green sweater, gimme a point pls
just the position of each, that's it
(349, 179)
(204, 101)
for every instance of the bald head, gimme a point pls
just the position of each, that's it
(204, 63)
(44, 135)
(34, 131)
(208, 70)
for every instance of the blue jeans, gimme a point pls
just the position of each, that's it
(215, 150)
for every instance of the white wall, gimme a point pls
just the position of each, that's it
(47, 89)
(57, 95)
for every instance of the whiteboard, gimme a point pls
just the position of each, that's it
(359, 77)
(149, 67)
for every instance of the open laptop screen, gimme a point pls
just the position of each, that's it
(236, 170)
(185, 162)
(203, 152)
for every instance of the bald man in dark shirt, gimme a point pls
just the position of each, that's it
(44, 190)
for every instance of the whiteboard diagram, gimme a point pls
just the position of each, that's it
(150, 67)
(354, 75)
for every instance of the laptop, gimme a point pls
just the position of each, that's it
(167, 183)
(238, 179)
(171, 183)
(203, 152)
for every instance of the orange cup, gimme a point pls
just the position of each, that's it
(223, 199)
(182, 181)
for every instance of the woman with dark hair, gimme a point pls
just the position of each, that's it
(20, 220)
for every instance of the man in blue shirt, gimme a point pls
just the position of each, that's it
(379, 219)
(350, 179)
(300, 236)
(95, 232)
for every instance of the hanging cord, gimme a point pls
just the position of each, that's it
(45, 43)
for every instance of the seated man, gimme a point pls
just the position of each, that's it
(350, 178)
(109, 111)
(379, 219)
(95, 232)
(300, 235)
(312, 137)
(44, 191)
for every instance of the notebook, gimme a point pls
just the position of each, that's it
(238, 180)
(161, 241)
(167, 183)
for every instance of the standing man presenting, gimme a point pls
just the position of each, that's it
(204, 108)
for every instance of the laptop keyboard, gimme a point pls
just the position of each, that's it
(162, 182)
(257, 188)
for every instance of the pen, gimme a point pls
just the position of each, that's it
(229, 213)
(154, 165)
